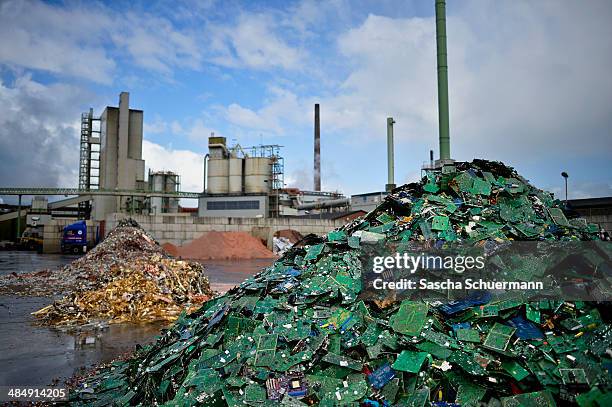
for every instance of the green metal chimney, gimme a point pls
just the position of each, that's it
(442, 80)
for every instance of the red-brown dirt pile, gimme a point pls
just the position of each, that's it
(222, 245)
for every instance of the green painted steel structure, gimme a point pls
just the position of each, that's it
(442, 80)
(390, 156)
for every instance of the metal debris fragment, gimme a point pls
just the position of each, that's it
(128, 278)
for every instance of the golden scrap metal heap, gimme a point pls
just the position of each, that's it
(128, 278)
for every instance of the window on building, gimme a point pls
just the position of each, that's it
(231, 205)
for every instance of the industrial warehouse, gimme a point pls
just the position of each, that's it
(265, 215)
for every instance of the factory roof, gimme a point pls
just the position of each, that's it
(603, 202)
(131, 110)
(372, 193)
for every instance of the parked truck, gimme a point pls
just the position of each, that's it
(74, 238)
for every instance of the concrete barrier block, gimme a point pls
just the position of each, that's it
(203, 228)
(189, 227)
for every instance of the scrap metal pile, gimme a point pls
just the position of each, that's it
(300, 333)
(128, 278)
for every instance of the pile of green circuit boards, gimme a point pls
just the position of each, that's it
(300, 332)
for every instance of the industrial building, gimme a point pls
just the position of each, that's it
(163, 181)
(248, 182)
(111, 160)
(240, 182)
(121, 165)
(368, 201)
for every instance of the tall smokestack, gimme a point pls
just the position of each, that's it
(317, 149)
(390, 163)
(442, 80)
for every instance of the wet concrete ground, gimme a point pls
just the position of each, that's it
(33, 355)
(25, 262)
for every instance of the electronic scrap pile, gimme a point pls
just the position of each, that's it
(127, 278)
(299, 333)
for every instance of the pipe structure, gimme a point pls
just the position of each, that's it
(206, 157)
(317, 149)
(390, 156)
(442, 80)
(329, 203)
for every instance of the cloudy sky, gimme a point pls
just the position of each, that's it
(530, 85)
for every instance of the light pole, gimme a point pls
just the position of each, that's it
(565, 176)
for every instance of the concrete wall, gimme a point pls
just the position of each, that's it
(135, 134)
(180, 229)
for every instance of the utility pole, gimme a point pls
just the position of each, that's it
(565, 176)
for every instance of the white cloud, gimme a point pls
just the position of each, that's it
(526, 79)
(248, 118)
(199, 131)
(283, 108)
(534, 74)
(85, 41)
(196, 130)
(157, 126)
(40, 36)
(39, 141)
(155, 44)
(175, 127)
(393, 73)
(253, 43)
